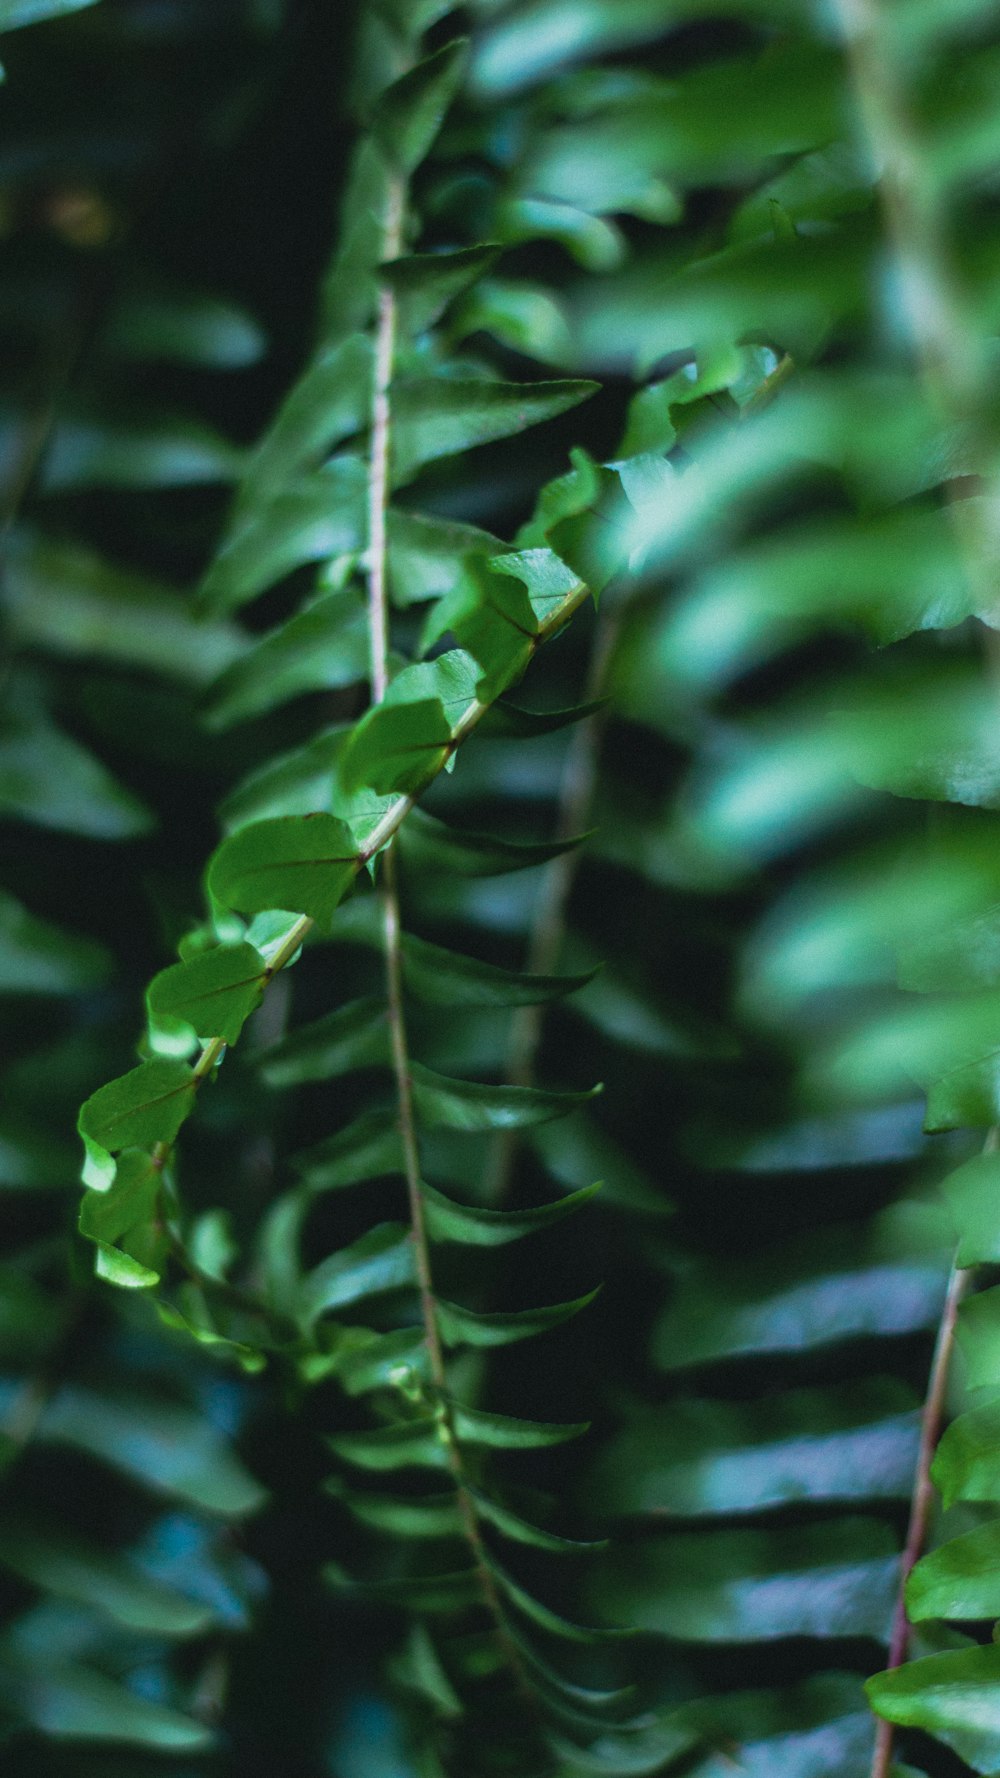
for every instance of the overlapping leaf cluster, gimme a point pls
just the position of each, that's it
(385, 396)
(811, 623)
(122, 1492)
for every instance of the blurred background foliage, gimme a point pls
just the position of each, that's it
(768, 232)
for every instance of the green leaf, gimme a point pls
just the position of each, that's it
(121, 1270)
(354, 1036)
(448, 1592)
(199, 1321)
(967, 1461)
(520, 315)
(368, 1148)
(419, 1671)
(321, 516)
(411, 111)
(972, 1195)
(132, 1199)
(979, 1336)
(72, 602)
(303, 864)
(434, 1515)
(39, 958)
(178, 327)
(136, 452)
(446, 1104)
(408, 1445)
(439, 977)
(814, 1291)
(210, 995)
(473, 1226)
(382, 1260)
(298, 782)
(836, 1578)
(543, 1615)
(473, 1426)
(557, 1686)
(594, 242)
(507, 721)
(630, 1753)
(702, 1456)
(954, 1696)
(519, 50)
(427, 557)
(405, 740)
(425, 283)
(169, 1449)
(363, 1360)
(521, 1531)
(396, 749)
(46, 1557)
(436, 416)
(51, 781)
(959, 1580)
(429, 842)
(14, 13)
(596, 543)
(330, 401)
(938, 744)
(461, 1327)
(145, 1106)
(323, 648)
(75, 1703)
(822, 1725)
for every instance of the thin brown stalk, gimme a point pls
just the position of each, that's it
(922, 1498)
(378, 627)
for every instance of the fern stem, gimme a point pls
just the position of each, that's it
(922, 1498)
(378, 485)
(378, 636)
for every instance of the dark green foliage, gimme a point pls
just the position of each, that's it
(652, 365)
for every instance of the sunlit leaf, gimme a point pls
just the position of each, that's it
(145, 1106)
(211, 995)
(959, 1580)
(302, 863)
(952, 1696)
(967, 1461)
